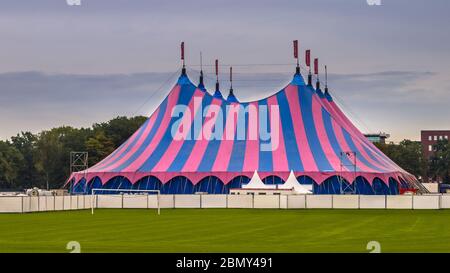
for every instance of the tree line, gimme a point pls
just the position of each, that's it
(40, 160)
(37, 160)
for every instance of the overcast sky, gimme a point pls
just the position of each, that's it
(389, 65)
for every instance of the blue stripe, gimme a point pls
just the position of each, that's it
(238, 152)
(305, 98)
(369, 152)
(359, 157)
(290, 142)
(265, 157)
(186, 95)
(213, 145)
(188, 145)
(333, 140)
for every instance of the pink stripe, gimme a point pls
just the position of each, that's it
(351, 128)
(337, 114)
(200, 146)
(344, 146)
(175, 146)
(226, 145)
(173, 99)
(279, 156)
(306, 156)
(368, 158)
(323, 136)
(125, 155)
(251, 159)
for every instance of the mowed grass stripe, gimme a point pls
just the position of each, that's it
(227, 230)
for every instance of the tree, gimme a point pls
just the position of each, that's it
(407, 154)
(440, 161)
(10, 161)
(43, 160)
(99, 147)
(119, 129)
(25, 143)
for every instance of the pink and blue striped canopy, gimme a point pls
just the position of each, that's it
(314, 138)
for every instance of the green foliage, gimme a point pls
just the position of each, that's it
(43, 159)
(10, 161)
(99, 147)
(440, 161)
(407, 154)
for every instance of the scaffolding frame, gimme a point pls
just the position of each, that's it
(78, 163)
(350, 187)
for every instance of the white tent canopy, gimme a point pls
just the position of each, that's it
(292, 183)
(256, 183)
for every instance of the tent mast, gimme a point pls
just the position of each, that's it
(183, 70)
(201, 70)
(297, 69)
(217, 74)
(231, 81)
(308, 64)
(316, 72)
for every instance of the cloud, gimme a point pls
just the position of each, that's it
(381, 101)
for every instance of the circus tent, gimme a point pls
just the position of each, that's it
(201, 142)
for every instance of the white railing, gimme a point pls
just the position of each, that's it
(24, 204)
(122, 191)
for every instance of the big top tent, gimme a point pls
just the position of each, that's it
(201, 142)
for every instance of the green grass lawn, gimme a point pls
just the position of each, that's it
(227, 230)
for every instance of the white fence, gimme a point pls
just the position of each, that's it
(23, 204)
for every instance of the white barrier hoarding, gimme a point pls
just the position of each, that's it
(187, 201)
(42, 203)
(372, 201)
(109, 201)
(135, 201)
(345, 201)
(80, 203)
(399, 201)
(74, 202)
(296, 201)
(165, 201)
(445, 201)
(426, 202)
(34, 204)
(213, 201)
(266, 202)
(10, 204)
(50, 203)
(67, 202)
(240, 201)
(319, 201)
(283, 202)
(59, 202)
(87, 200)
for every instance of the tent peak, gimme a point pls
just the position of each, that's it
(184, 80)
(298, 80)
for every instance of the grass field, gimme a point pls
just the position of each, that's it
(227, 230)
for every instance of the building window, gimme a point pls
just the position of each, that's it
(446, 137)
(430, 138)
(435, 137)
(441, 138)
(430, 148)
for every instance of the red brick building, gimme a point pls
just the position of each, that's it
(430, 137)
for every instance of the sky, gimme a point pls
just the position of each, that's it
(389, 65)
